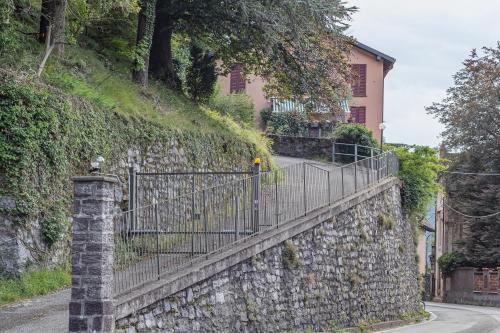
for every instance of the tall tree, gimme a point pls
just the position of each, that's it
(52, 19)
(471, 115)
(161, 61)
(145, 28)
(299, 46)
(471, 110)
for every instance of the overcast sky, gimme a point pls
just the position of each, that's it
(430, 40)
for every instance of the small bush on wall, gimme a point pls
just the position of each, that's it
(449, 261)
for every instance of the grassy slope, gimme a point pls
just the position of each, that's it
(83, 74)
(106, 84)
(34, 283)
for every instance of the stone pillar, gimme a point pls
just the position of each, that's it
(91, 308)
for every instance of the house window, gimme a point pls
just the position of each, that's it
(358, 114)
(358, 80)
(237, 79)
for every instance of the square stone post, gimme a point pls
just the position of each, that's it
(91, 308)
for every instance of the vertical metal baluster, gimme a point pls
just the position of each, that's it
(329, 189)
(342, 177)
(277, 199)
(305, 194)
(193, 212)
(157, 240)
(205, 220)
(355, 177)
(236, 216)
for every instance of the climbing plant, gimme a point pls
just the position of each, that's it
(418, 169)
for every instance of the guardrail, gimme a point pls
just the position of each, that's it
(176, 231)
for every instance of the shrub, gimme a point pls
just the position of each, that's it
(201, 77)
(354, 133)
(292, 123)
(266, 116)
(449, 261)
(238, 106)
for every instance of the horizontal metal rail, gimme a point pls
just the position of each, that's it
(193, 173)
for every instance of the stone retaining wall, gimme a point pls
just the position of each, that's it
(351, 262)
(303, 147)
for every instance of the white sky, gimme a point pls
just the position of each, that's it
(430, 40)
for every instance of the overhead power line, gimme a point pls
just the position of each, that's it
(471, 216)
(471, 173)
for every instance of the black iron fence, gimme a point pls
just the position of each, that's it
(167, 233)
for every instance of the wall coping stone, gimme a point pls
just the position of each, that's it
(96, 178)
(203, 268)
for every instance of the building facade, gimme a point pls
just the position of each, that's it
(369, 69)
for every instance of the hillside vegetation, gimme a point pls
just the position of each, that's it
(84, 104)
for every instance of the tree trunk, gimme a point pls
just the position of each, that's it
(45, 19)
(53, 14)
(145, 29)
(161, 63)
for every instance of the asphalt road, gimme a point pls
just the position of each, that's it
(46, 314)
(451, 318)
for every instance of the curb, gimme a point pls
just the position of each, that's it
(387, 325)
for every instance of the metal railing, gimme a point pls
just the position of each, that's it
(178, 230)
(350, 152)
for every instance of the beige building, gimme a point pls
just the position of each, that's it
(369, 68)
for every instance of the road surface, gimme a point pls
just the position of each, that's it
(46, 314)
(452, 318)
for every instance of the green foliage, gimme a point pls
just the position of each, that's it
(7, 40)
(470, 113)
(238, 106)
(84, 15)
(53, 229)
(301, 45)
(181, 54)
(418, 168)
(84, 106)
(34, 283)
(265, 115)
(415, 316)
(292, 123)
(201, 78)
(290, 255)
(470, 110)
(449, 261)
(354, 134)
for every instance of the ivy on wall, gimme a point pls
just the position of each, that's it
(46, 137)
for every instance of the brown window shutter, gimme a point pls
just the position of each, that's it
(358, 72)
(237, 79)
(358, 113)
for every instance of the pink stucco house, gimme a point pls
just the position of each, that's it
(369, 68)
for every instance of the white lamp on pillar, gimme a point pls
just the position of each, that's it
(382, 126)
